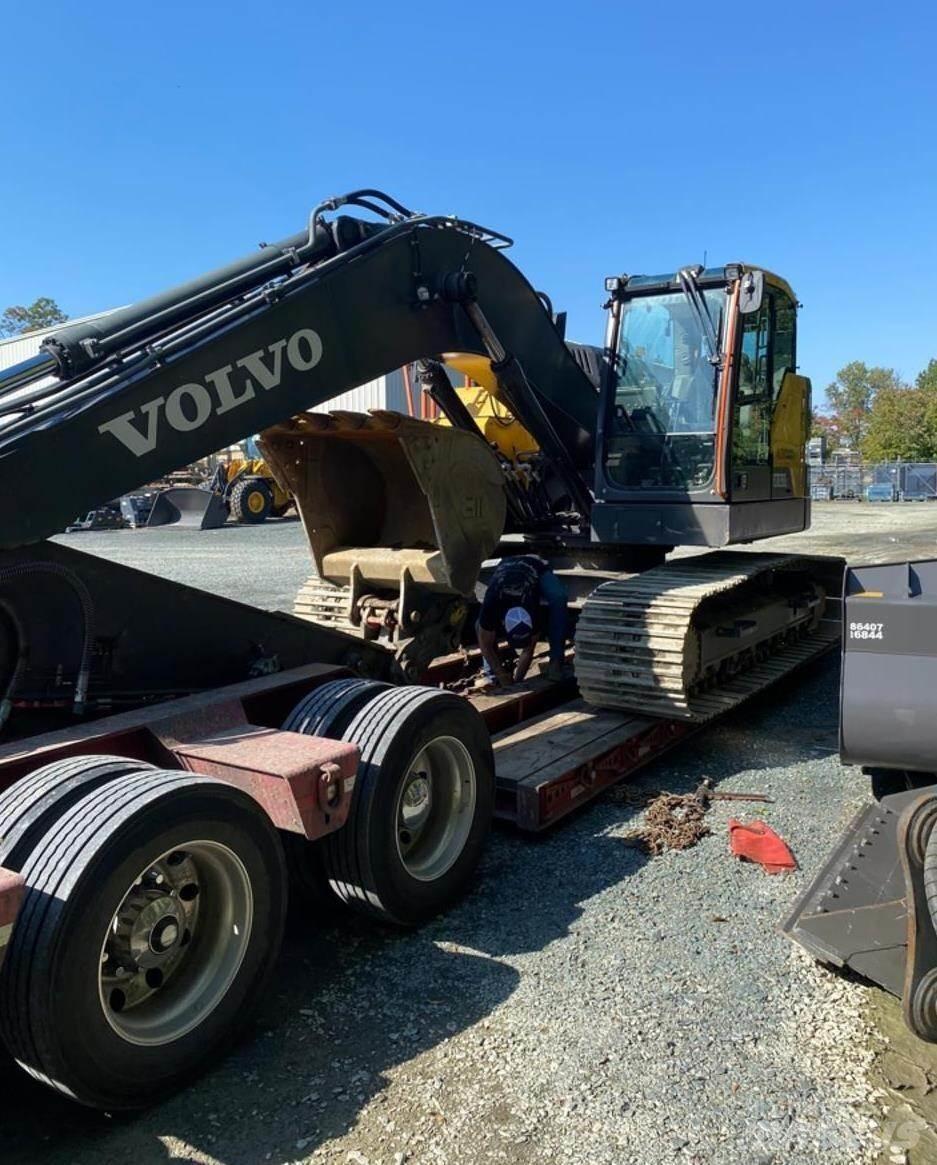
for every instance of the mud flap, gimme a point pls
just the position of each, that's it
(199, 509)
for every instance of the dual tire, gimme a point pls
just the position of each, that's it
(152, 920)
(155, 899)
(422, 804)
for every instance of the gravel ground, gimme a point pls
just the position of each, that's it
(586, 1004)
(266, 565)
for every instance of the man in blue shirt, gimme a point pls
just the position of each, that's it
(511, 609)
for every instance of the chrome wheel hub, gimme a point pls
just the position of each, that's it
(175, 943)
(435, 808)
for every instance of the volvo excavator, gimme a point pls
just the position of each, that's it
(687, 428)
(162, 748)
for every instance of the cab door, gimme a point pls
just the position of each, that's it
(766, 362)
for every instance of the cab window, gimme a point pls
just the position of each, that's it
(767, 352)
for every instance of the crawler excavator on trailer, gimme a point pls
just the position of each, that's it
(158, 739)
(687, 429)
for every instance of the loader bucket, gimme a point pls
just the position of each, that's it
(889, 671)
(382, 495)
(199, 509)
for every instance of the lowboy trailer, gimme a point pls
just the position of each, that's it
(170, 759)
(158, 841)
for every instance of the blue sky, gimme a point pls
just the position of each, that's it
(141, 145)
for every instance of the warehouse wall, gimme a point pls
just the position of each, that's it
(387, 392)
(18, 348)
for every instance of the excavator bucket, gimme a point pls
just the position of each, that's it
(199, 509)
(853, 914)
(384, 497)
(872, 908)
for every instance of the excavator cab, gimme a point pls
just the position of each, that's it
(703, 420)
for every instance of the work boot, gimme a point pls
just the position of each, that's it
(555, 671)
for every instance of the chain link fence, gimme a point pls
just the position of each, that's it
(851, 479)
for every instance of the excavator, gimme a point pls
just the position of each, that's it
(687, 428)
(155, 765)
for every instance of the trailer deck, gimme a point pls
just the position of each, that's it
(557, 753)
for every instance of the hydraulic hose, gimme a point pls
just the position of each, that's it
(24, 569)
(22, 654)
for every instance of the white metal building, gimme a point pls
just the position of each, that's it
(18, 348)
(387, 392)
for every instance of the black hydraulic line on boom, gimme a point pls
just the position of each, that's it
(174, 378)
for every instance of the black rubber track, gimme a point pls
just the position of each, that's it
(326, 711)
(116, 825)
(393, 722)
(35, 801)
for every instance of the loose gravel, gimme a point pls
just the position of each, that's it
(588, 1003)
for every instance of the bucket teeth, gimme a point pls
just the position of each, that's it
(854, 913)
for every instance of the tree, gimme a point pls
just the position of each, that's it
(900, 426)
(823, 426)
(927, 379)
(851, 395)
(41, 313)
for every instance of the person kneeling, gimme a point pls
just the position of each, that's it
(512, 608)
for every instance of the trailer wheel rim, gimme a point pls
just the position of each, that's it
(175, 943)
(435, 808)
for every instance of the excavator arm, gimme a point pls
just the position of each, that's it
(169, 380)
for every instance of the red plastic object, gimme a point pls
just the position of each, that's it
(755, 841)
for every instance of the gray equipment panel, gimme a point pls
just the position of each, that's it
(888, 694)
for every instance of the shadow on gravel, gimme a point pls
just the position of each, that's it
(352, 1001)
(348, 1003)
(345, 1006)
(794, 722)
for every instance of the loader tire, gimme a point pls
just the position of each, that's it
(251, 501)
(421, 807)
(31, 805)
(152, 920)
(326, 711)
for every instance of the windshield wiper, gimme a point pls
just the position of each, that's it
(689, 285)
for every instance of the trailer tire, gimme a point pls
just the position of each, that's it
(251, 501)
(123, 882)
(31, 805)
(329, 709)
(326, 711)
(414, 835)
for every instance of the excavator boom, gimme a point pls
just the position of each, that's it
(192, 373)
